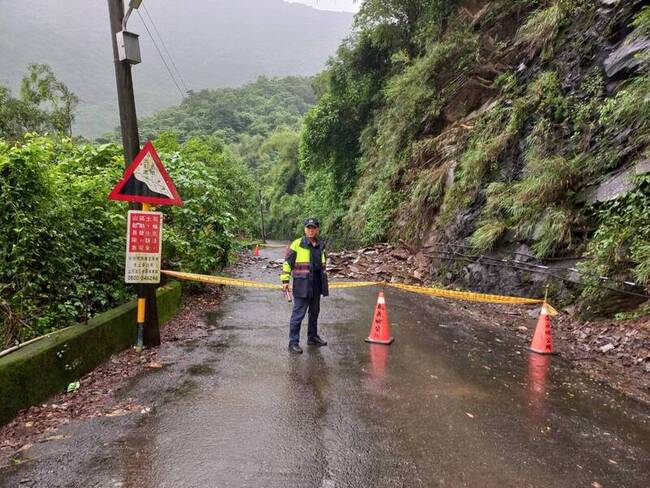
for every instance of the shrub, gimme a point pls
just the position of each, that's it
(543, 26)
(62, 244)
(62, 241)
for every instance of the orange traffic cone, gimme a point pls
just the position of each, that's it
(542, 341)
(379, 333)
(256, 252)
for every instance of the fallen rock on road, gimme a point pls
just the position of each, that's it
(611, 351)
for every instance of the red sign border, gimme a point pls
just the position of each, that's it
(146, 149)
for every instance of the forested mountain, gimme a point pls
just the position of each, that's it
(255, 109)
(497, 127)
(214, 43)
(261, 123)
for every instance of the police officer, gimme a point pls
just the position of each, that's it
(305, 262)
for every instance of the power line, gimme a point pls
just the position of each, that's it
(162, 41)
(171, 75)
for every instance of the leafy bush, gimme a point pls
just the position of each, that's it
(621, 241)
(62, 241)
(219, 197)
(62, 244)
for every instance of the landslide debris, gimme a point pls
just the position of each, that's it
(616, 352)
(381, 262)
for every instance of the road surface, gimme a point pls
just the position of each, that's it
(449, 404)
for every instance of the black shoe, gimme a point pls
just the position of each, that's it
(295, 348)
(316, 341)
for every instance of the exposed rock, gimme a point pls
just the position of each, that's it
(534, 312)
(606, 348)
(626, 57)
(472, 95)
(617, 185)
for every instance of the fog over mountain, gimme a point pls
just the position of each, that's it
(214, 43)
(336, 5)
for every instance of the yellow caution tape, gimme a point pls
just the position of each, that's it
(223, 280)
(220, 280)
(353, 284)
(471, 296)
(436, 292)
(277, 246)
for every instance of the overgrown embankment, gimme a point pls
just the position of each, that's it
(62, 241)
(516, 130)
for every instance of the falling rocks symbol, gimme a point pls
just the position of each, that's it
(146, 181)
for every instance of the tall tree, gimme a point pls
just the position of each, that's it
(45, 105)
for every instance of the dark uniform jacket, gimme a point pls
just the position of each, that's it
(306, 264)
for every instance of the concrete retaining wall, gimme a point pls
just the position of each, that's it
(30, 375)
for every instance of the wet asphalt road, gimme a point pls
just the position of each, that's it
(449, 404)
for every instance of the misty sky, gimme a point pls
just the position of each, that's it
(337, 5)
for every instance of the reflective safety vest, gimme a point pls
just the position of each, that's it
(297, 264)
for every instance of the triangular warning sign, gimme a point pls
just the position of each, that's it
(146, 181)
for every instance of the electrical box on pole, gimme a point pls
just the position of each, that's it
(128, 47)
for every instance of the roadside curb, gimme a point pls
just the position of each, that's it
(43, 368)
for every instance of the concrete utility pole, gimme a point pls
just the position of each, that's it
(131, 143)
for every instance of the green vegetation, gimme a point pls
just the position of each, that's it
(256, 109)
(450, 123)
(259, 125)
(62, 244)
(622, 239)
(62, 250)
(44, 105)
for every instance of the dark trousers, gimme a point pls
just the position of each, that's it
(300, 308)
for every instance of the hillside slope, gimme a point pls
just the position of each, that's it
(514, 130)
(215, 43)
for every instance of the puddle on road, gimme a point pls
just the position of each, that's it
(213, 317)
(218, 345)
(189, 346)
(180, 391)
(200, 370)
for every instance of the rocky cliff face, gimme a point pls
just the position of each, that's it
(542, 143)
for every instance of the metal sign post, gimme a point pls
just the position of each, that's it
(145, 181)
(143, 256)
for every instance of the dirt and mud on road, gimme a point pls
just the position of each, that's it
(615, 352)
(451, 403)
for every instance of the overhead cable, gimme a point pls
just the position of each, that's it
(171, 75)
(169, 55)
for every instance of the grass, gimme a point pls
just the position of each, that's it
(429, 188)
(484, 238)
(642, 21)
(553, 232)
(630, 107)
(543, 27)
(528, 207)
